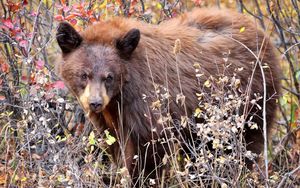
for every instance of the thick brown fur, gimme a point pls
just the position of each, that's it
(205, 34)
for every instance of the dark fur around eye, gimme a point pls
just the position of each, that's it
(109, 79)
(84, 77)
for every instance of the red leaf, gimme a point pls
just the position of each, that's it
(18, 37)
(89, 12)
(59, 17)
(197, 2)
(8, 23)
(78, 7)
(23, 43)
(4, 67)
(32, 78)
(33, 14)
(25, 2)
(76, 14)
(48, 86)
(92, 19)
(39, 64)
(2, 98)
(58, 6)
(24, 78)
(66, 9)
(14, 7)
(70, 17)
(59, 85)
(79, 129)
(73, 21)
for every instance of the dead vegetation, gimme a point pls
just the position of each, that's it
(47, 142)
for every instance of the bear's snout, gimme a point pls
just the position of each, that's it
(96, 105)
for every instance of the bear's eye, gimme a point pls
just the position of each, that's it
(84, 76)
(109, 79)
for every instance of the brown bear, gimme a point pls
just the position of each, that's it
(112, 66)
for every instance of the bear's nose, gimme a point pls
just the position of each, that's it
(95, 106)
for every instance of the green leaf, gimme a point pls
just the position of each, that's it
(284, 99)
(109, 138)
(10, 113)
(92, 140)
(23, 91)
(293, 112)
(297, 74)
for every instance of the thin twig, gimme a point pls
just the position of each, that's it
(287, 175)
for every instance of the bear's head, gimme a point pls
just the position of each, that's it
(94, 72)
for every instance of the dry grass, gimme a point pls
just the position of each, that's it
(46, 141)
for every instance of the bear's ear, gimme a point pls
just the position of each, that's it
(127, 44)
(67, 37)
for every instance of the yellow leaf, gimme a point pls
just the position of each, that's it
(242, 29)
(197, 112)
(48, 3)
(199, 95)
(207, 83)
(92, 148)
(184, 121)
(158, 5)
(197, 66)
(2, 179)
(156, 104)
(103, 5)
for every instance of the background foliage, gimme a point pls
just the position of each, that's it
(45, 139)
